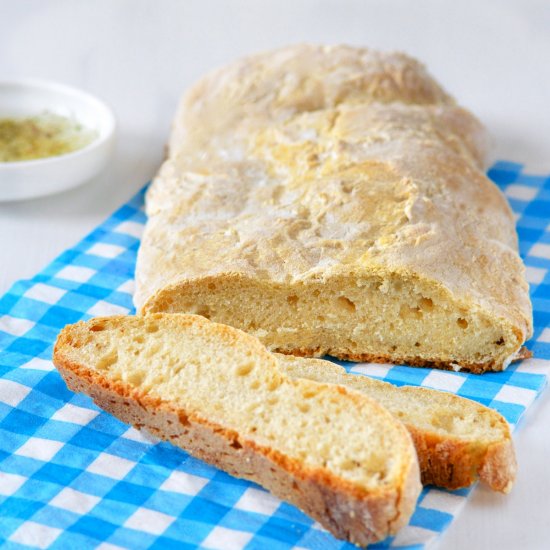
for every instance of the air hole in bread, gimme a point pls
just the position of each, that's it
(273, 385)
(426, 304)
(417, 344)
(304, 407)
(346, 304)
(98, 327)
(500, 342)
(255, 385)
(408, 312)
(135, 378)
(74, 343)
(205, 311)
(153, 349)
(107, 360)
(292, 299)
(151, 327)
(445, 422)
(347, 187)
(139, 339)
(244, 370)
(349, 464)
(462, 323)
(235, 444)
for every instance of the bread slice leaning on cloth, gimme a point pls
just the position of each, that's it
(332, 200)
(457, 440)
(220, 395)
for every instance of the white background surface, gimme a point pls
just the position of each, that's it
(139, 55)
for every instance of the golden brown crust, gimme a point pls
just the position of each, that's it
(474, 368)
(342, 508)
(455, 464)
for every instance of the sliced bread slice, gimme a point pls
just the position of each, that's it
(220, 395)
(457, 440)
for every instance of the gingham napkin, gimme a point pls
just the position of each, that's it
(72, 476)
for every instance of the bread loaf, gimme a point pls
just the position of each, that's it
(219, 394)
(332, 200)
(457, 440)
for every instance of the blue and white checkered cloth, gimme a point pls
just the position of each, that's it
(72, 476)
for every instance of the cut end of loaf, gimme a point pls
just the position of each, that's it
(389, 319)
(219, 394)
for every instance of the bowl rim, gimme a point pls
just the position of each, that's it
(61, 88)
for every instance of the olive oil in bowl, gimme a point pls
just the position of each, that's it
(41, 136)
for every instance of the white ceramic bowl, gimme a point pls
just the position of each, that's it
(34, 178)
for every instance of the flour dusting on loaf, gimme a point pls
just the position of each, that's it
(332, 200)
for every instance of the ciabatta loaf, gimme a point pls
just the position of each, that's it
(332, 200)
(218, 393)
(457, 440)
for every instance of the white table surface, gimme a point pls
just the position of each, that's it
(139, 55)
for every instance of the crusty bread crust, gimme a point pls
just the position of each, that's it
(499, 467)
(341, 507)
(412, 361)
(455, 464)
